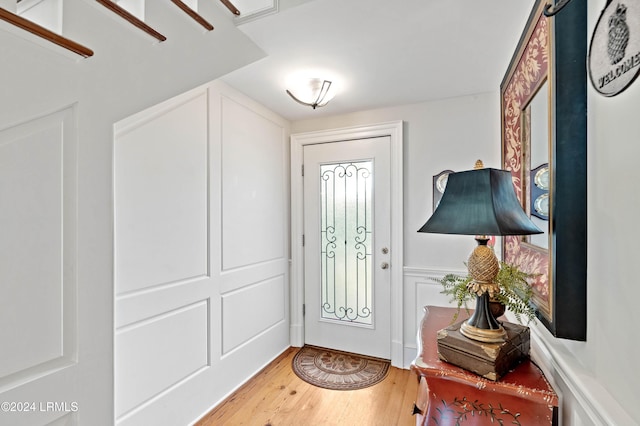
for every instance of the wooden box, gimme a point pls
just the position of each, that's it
(489, 360)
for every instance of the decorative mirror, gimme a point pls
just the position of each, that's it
(544, 130)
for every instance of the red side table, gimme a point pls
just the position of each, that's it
(450, 395)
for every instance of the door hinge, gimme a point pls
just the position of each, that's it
(303, 170)
(302, 240)
(304, 309)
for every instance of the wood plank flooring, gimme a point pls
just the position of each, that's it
(277, 397)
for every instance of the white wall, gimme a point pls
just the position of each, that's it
(593, 378)
(41, 83)
(613, 290)
(609, 357)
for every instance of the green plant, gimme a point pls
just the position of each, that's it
(515, 291)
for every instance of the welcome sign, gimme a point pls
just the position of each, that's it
(614, 54)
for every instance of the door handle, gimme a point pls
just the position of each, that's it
(384, 265)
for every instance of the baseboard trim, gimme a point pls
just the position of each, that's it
(296, 335)
(558, 363)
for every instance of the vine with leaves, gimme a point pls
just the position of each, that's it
(515, 291)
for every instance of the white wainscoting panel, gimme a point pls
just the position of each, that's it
(38, 247)
(162, 274)
(155, 354)
(240, 277)
(138, 306)
(420, 290)
(252, 310)
(199, 180)
(583, 400)
(253, 195)
(161, 196)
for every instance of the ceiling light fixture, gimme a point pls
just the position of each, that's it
(313, 92)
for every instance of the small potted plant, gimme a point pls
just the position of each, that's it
(515, 292)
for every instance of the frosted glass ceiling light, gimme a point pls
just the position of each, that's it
(313, 92)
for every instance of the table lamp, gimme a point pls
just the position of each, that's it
(481, 202)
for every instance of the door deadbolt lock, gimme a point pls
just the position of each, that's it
(384, 265)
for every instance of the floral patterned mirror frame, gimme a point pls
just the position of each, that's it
(553, 48)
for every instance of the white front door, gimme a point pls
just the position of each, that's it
(347, 245)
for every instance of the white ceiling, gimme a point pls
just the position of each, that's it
(381, 52)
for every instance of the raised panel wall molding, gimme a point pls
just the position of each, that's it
(163, 283)
(251, 274)
(168, 178)
(174, 343)
(38, 248)
(161, 197)
(139, 306)
(251, 310)
(253, 187)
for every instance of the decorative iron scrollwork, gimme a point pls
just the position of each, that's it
(346, 236)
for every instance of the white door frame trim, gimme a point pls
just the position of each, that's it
(298, 141)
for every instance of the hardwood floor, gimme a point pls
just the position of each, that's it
(277, 397)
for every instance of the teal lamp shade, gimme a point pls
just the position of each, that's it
(480, 202)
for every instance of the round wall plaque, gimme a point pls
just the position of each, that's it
(614, 54)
